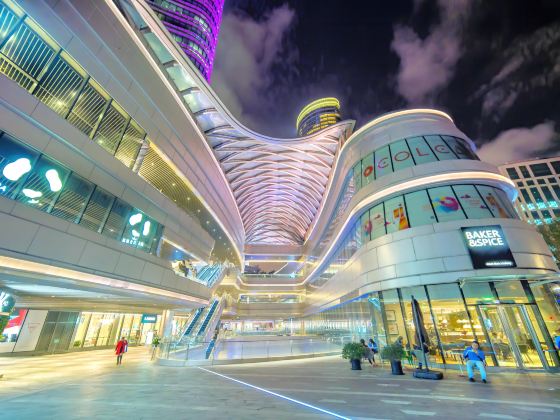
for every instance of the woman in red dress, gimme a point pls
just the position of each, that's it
(120, 349)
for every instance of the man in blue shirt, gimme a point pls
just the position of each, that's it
(475, 358)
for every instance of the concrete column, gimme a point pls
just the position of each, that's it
(167, 323)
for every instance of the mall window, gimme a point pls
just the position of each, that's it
(540, 169)
(43, 185)
(446, 205)
(116, 222)
(419, 208)
(524, 172)
(383, 164)
(556, 166)
(16, 162)
(512, 172)
(112, 128)
(97, 210)
(421, 152)
(402, 158)
(395, 215)
(408, 152)
(471, 202)
(453, 323)
(368, 172)
(40, 182)
(440, 148)
(378, 221)
(73, 198)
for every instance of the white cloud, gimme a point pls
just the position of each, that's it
(247, 50)
(520, 74)
(518, 144)
(427, 65)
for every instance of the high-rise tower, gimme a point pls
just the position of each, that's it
(317, 115)
(194, 24)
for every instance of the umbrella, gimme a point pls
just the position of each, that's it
(422, 339)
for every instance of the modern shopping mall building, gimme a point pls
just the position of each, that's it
(133, 203)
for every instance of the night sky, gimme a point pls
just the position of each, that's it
(493, 65)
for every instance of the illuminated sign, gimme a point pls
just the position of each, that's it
(488, 247)
(149, 319)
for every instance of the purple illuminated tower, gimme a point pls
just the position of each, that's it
(194, 24)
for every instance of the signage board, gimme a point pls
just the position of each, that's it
(149, 318)
(488, 247)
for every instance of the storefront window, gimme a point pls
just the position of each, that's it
(478, 293)
(421, 151)
(357, 174)
(420, 295)
(366, 227)
(472, 203)
(445, 204)
(402, 158)
(382, 162)
(395, 215)
(378, 327)
(368, 172)
(393, 315)
(419, 208)
(378, 221)
(510, 291)
(452, 321)
(494, 202)
(547, 297)
(440, 148)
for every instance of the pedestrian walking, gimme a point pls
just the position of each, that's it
(475, 357)
(373, 349)
(120, 349)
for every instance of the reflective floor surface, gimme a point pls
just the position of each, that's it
(89, 385)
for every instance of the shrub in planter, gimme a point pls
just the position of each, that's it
(394, 353)
(354, 352)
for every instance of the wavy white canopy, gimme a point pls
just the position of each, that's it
(278, 184)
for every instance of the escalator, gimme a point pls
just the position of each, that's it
(207, 318)
(193, 322)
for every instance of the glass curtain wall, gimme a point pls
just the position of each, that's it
(514, 322)
(40, 182)
(418, 208)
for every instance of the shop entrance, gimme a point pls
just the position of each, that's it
(514, 335)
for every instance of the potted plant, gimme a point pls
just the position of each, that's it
(354, 352)
(394, 352)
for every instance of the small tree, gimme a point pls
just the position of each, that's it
(551, 234)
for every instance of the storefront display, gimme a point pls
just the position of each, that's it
(515, 321)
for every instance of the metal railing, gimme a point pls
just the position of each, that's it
(247, 349)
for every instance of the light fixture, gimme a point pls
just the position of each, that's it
(31, 193)
(54, 180)
(15, 170)
(135, 218)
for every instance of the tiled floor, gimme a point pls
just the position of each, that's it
(89, 385)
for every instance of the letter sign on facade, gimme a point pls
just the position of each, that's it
(488, 247)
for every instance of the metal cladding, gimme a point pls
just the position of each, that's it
(278, 183)
(318, 115)
(194, 24)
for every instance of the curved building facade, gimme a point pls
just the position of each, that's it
(194, 25)
(318, 115)
(126, 185)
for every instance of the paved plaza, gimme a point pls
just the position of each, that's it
(89, 385)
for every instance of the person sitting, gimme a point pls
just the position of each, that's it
(475, 357)
(372, 346)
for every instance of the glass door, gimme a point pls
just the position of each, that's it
(497, 335)
(513, 337)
